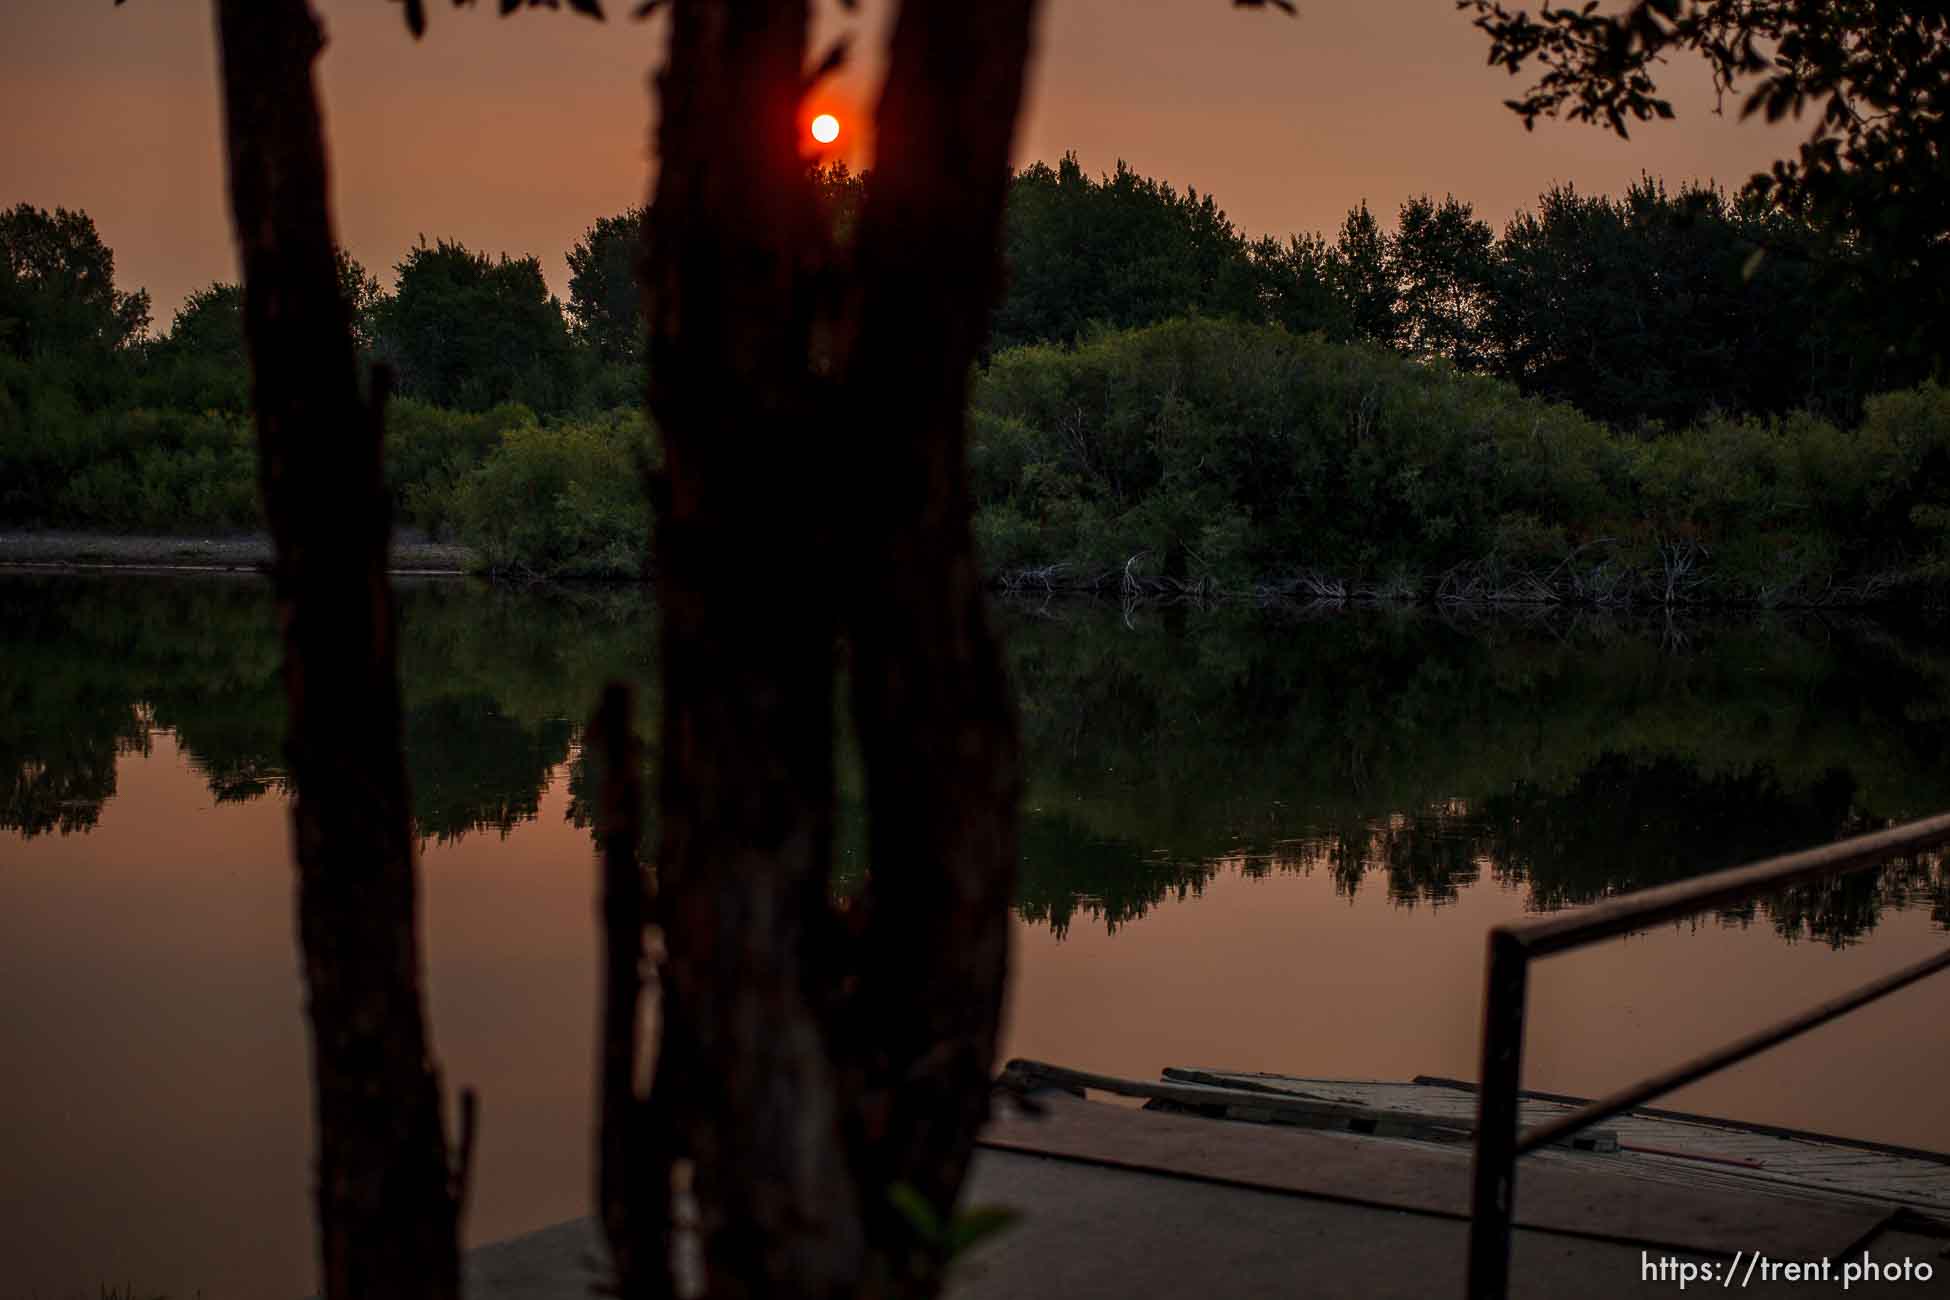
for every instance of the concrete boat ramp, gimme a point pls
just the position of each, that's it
(1225, 1184)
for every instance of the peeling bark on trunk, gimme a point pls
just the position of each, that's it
(387, 1203)
(812, 416)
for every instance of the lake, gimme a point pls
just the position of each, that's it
(1255, 839)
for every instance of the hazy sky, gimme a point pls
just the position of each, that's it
(515, 134)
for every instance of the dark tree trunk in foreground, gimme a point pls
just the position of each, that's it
(931, 702)
(813, 497)
(387, 1203)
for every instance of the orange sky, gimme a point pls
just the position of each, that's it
(515, 134)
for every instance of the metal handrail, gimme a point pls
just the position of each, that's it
(1514, 945)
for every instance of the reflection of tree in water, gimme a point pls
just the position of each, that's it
(92, 664)
(1376, 748)
(1067, 869)
(1429, 857)
(59, 784)
(1628, 822)
(1572, 761)
(61, 726)
(472, 767)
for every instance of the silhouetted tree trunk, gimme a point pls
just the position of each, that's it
(813, 495)
(388, 1204)
(930, 699)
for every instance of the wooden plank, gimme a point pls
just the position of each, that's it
(1804, 1165)
(1261, 1107)
(1558, 1192)
(1710, 1121)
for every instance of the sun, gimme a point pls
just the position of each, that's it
(826, 128)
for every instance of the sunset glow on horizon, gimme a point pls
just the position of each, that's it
(513, 136)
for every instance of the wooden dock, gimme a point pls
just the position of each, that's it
(1660, 1145)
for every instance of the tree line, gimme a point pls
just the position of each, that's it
(1649, 311)
(1159, 394)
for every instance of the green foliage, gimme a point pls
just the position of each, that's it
(1871, 172)
(560, 501)
(465, 330)
(57, 288)
(1250, 444)
(1234, 452)
(1442, 255)
(1367, 278)
(943, 1240)
(1125, 250)
(1302, 286)
(364, 298)
(603, 298)
(430, 451)
(1237, 455)
(201, 364)
(1656, 308)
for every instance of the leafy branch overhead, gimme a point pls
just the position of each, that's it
(1875, 167)
(416, 10)
(1874, 72)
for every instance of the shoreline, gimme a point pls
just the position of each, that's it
(61, 550)
(414, 555)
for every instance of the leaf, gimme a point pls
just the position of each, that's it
(979, 1224)
(913, 1207)
(1751, 267)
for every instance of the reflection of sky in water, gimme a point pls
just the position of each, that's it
(1249, 843)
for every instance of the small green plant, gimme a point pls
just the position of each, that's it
(947, 1240)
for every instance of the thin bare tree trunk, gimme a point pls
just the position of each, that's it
(632, 1179)
(388, 1204)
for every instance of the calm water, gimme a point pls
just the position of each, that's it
(1257, 840)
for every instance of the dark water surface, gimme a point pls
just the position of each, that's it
(1264, 840)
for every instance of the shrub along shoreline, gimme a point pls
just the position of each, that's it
(1201, 458)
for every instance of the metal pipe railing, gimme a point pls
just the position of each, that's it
(1513, 946)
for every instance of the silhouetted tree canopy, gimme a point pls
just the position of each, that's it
(1660, 307)
(57, 287)
(1124, 250)
(1443, 254)
(1367, 278)
(466, 330)
(1875, 167)
(602, 288)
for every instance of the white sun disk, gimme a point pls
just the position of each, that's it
(826, 128)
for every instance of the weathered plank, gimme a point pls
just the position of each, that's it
(1703, 1150)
